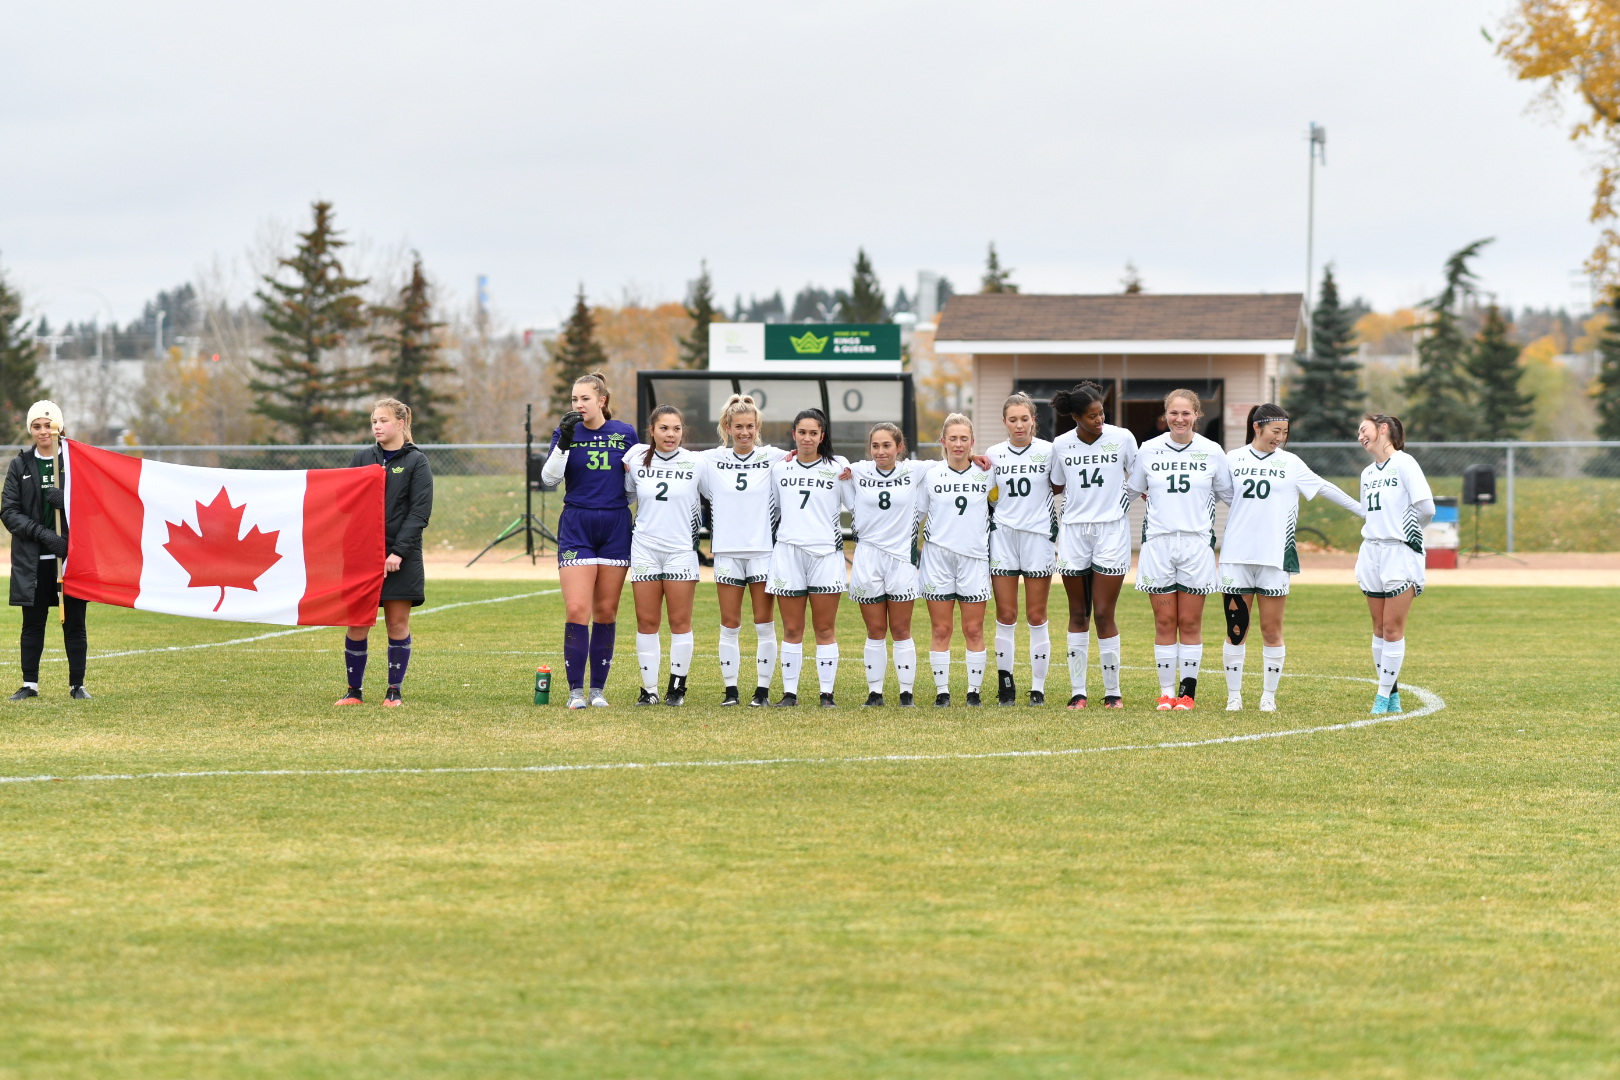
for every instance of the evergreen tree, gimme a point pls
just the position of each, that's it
(19, 365)
(700, 307)
(865, 303)
(1606, 387)
(302, 389)
(1324, 397)
(576, 353)
(1132, 281)
(1441, 390)
(996, 280)
(408, 356)
(809, 304)
(1501, 411)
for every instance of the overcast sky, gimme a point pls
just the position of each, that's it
(618, 143)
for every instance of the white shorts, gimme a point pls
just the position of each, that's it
(741, 569)
(1252, 579)
(877, 576)
(1020, 553)
(947, 575)
(1177, 562)
(1385, 570)
(797, 572)
(647, 564)
(1102, 547)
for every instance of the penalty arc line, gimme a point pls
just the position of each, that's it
(1432, 703)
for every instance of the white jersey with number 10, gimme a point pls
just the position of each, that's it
(1023, 486)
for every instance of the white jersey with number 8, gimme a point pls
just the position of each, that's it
(884, 504)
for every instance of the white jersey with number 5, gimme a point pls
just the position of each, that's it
(666, 492)
(884, 504)
(1265, 507)
(1023, 486)
(809, 501)
(1093, 475)
(1389, 492)
(739, 493)
(1182, 482)
(957, 506)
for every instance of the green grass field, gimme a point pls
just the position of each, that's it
(1430, 897)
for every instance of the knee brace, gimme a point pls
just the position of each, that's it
(1237, 618)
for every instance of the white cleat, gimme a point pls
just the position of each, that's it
(1234, 702)
(576, 699)
(1268, 703)
(597, 700)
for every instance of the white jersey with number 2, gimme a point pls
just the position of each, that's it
(666, 492)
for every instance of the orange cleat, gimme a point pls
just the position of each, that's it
(1184, 702)
(351, 698)
(392, 699)
(1078, 701)
(1111, 702)
(1165, 703)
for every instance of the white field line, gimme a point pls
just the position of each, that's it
(296, 630)
(1432, 703)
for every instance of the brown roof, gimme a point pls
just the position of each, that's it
(1144, 317)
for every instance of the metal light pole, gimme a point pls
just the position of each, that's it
(1318, 148)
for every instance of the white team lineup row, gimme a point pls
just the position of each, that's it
(991, 527)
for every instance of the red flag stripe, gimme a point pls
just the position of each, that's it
(104, 537)
(344, 546)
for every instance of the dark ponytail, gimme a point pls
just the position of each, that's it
(1397, 430)
(823, 448)
(1068, 406)
(1265, 414)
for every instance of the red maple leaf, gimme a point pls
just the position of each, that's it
(216, 557)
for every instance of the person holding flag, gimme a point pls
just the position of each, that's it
(34, 510)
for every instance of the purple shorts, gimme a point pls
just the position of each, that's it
(593, 537)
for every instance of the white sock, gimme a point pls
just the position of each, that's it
(730, 654)
(765, 652)
(680, 653)
(792, 657)
(941, 663)
(1040, 655)
(975, 666)
(1389, 666)
(1108, 658)
(1274, 664)
(1378, 652)
(32, 685)
(1006, 646)
(1079, 660)
(649, 654)
(876, 655)
(905, 664)
(1233, 657)
(1164, 658)
(827, 666)
(1192, 656)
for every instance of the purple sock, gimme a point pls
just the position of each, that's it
(354, 658)
(601, 652)
(576, 641)
(399, 658)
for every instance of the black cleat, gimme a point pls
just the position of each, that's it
(1079, 701)
(787, 701)
(1037, 698)
(827, 702)
(907, 701)
(942, 701)
(762, 697)
(973, 699)
(731, 697)
(647, 697)
(391, 700)
(80, 693)
(874, 700)
(1006, 689)
(675, 695)
(24, 693)
(1112, 701)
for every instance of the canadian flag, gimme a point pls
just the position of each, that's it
(293, 547)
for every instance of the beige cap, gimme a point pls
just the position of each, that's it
(48, 409)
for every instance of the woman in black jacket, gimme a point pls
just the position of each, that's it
(408, 503)
(35, 513)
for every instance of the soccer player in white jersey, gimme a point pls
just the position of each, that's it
(807, 563)
(1257, 552)
(662, 477)
(735, 478)
(1398, 502)
(882, 494)
(1182, 473)
(1021, 546)
(955, 567)
(1090, 465)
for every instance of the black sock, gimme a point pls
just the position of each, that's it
(1189, 688)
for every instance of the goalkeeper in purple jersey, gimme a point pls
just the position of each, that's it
(593, 533)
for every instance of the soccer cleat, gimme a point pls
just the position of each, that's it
(907, 701)
(874, 700)
(1394, 701)
(731, 697)
(1268, 703)
(79, 693)
(1077, 702)
(25, 692)
(1234, 702)
(1037, 698)
(1184, 703)
(1165, 703)
(973, 699)
(1006, 689)
(1380, 706)
(576, 698)
(647, 697)
(392, 700)
(787, 701)
(762, 697)
(942, 701)
(827, 702)
(598, 699)
(351, 698)
(675, 694)
(1113, 701)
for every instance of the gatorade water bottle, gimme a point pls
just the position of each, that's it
(542, 685)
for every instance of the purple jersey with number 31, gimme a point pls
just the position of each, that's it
(594, 479)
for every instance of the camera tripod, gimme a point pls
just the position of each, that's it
(527, 524)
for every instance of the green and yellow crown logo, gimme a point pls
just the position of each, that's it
(808, 342)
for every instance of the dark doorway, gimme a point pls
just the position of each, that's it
(1048, 426)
